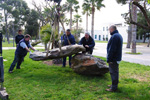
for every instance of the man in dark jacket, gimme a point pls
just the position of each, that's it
(114, 56)
(21, 52)
(88, 42)
(19, 37)
(68, 39)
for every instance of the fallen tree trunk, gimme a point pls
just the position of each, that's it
(56, 53)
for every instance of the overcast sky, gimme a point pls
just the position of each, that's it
(111, 13)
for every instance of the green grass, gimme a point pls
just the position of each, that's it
(101, 41)
(141, 43)
(5, 44)
(37, 81)
(134, 53)
(105, 42)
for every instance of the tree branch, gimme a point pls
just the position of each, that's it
(140, 25)
(143, 11)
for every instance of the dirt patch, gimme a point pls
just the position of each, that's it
(51, 63)
(140, 78)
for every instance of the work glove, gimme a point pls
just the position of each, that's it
(86, 46)
(30, 52)
(36, 50)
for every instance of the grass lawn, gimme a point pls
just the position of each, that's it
(105, 42)
(101, 41)
(38, 81)
(134, 53)
(5, 44)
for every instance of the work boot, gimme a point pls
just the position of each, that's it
(109, 86)
(63, 66)
(110, 90)
(10, 71)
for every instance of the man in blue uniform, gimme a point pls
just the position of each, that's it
(114, 56)
(21, 52)
(68, 39)
(88, 42)
(19, 37)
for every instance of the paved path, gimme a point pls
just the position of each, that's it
(144, 58)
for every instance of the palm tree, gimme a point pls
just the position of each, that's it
(77, 19)
(94, 4)
(86, 10)
(72, 5)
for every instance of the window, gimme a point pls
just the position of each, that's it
(103, 28)
(107, 28)
(103, 37)
(106, 37)
(99, 37)
(95, 36)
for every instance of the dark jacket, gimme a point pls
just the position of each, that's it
(22, 51)
(114, 47)
(65, 40)
(18, 38)
(89, 42)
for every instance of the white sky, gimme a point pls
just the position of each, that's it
(111, 13)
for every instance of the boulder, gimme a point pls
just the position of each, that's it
(57, 53)
(88, 65)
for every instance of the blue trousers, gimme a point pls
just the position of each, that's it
(114, 72)
(18, 59)
(89, 50)
(64, 61)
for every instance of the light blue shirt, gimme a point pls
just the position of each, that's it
(23, 45)
(118, 62)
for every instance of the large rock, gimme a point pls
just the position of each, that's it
(88, 65)
(56, 53)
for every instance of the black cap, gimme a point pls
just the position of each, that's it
(68, 30)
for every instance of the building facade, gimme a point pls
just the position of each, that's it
(104, 35)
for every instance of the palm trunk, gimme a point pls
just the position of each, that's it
(92, 29)
(144, 38)
(148, 42)
(45, 44)
(6, 26)
(39, 31)
(129, 37)
(13, 36)
(77, 25)
(134, 28)
(70, 18)
(87, 22)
